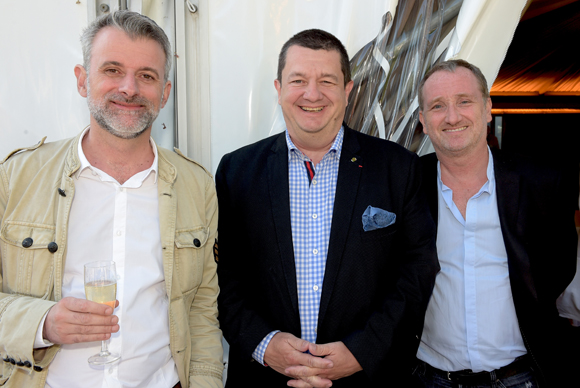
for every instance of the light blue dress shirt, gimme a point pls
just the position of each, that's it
(471, 321)
(311, 207)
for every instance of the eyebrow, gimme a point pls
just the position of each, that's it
(115, 63)
(323, 75)
(459, 95)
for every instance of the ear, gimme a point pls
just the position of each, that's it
(348, 89)
(81, 75)
(422, 120)
(278, 87)
(166, 91)
(488, 109)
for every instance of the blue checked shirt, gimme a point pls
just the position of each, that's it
(311, 206)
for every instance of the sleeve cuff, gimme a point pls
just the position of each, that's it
(39, 341)
(258, 354)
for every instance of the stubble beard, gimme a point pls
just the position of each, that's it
(125, 125)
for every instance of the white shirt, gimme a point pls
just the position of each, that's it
(109, 221)
(569, 302)
(471, 321)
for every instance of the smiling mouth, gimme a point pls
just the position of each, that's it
(455, 129)
(308, 109)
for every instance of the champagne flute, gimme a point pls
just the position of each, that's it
(101, 287)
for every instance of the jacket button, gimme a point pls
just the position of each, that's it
(37, 368)
(27, 242)
(20, 363)
(61, 192)
(13, 361)
(196, 242)
(27, 364)
(6, 359)
(52, 247)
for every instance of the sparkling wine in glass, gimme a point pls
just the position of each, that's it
(101, 287)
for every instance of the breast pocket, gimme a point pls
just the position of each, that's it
(378, 243)
(27, 256)
(190, 245)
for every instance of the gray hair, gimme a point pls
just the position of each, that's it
(450, 66)
(134, 25)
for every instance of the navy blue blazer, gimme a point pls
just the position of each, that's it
(376, 284)
(536, 205)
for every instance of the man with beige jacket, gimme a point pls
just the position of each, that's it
(110, 194)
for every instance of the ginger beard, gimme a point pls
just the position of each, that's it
(123, 124)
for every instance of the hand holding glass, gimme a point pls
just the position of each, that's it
(101, 287)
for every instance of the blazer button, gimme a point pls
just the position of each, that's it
(20, 363)
(61, 192)
(13, 361)
(27, 364)
(52, 247)
(37, 368)
(27, 242)
(196, 242)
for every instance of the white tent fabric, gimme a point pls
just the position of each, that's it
(226, 57)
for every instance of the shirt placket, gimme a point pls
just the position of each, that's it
(315, 250)
(119, 241)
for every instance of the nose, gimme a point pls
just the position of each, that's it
(312, 92)
(128, 85)
(453, 116)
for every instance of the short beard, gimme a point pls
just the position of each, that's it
(114, 122)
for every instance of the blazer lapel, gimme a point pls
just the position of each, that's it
(508, 204)
(278, 185)
(429, 173)
(344, 200)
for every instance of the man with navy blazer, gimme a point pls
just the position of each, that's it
(506, 243)
(326, 246)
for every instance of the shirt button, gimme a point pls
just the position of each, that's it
(118, 233)
(315, 216)
(110, 371)
(315, 251)
(315, 288)
(314, 182)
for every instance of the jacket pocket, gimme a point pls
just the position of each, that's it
(27, 256)
(190, 247)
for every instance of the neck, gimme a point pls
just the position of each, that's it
(313, 145)
(465, 167)
(120, 158)
(464, 175)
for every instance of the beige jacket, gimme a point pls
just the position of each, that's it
(36, 192)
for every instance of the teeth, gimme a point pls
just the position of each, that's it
(307, 109)
(455, 130)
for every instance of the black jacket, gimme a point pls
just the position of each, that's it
(376, 284)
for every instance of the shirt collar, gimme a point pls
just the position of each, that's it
(335, 148)
(135, 181)
(487, 187)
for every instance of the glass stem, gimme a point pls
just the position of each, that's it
(104, 349)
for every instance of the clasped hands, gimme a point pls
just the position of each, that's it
(74, 320)
(324, 362)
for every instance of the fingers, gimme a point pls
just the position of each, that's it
(310, 382)
(86, 306)
(310, 361)
(321, 350)
(298, 343)
(74, 320)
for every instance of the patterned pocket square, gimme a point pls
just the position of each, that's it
(375, 218)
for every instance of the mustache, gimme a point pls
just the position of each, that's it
(135, 100)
